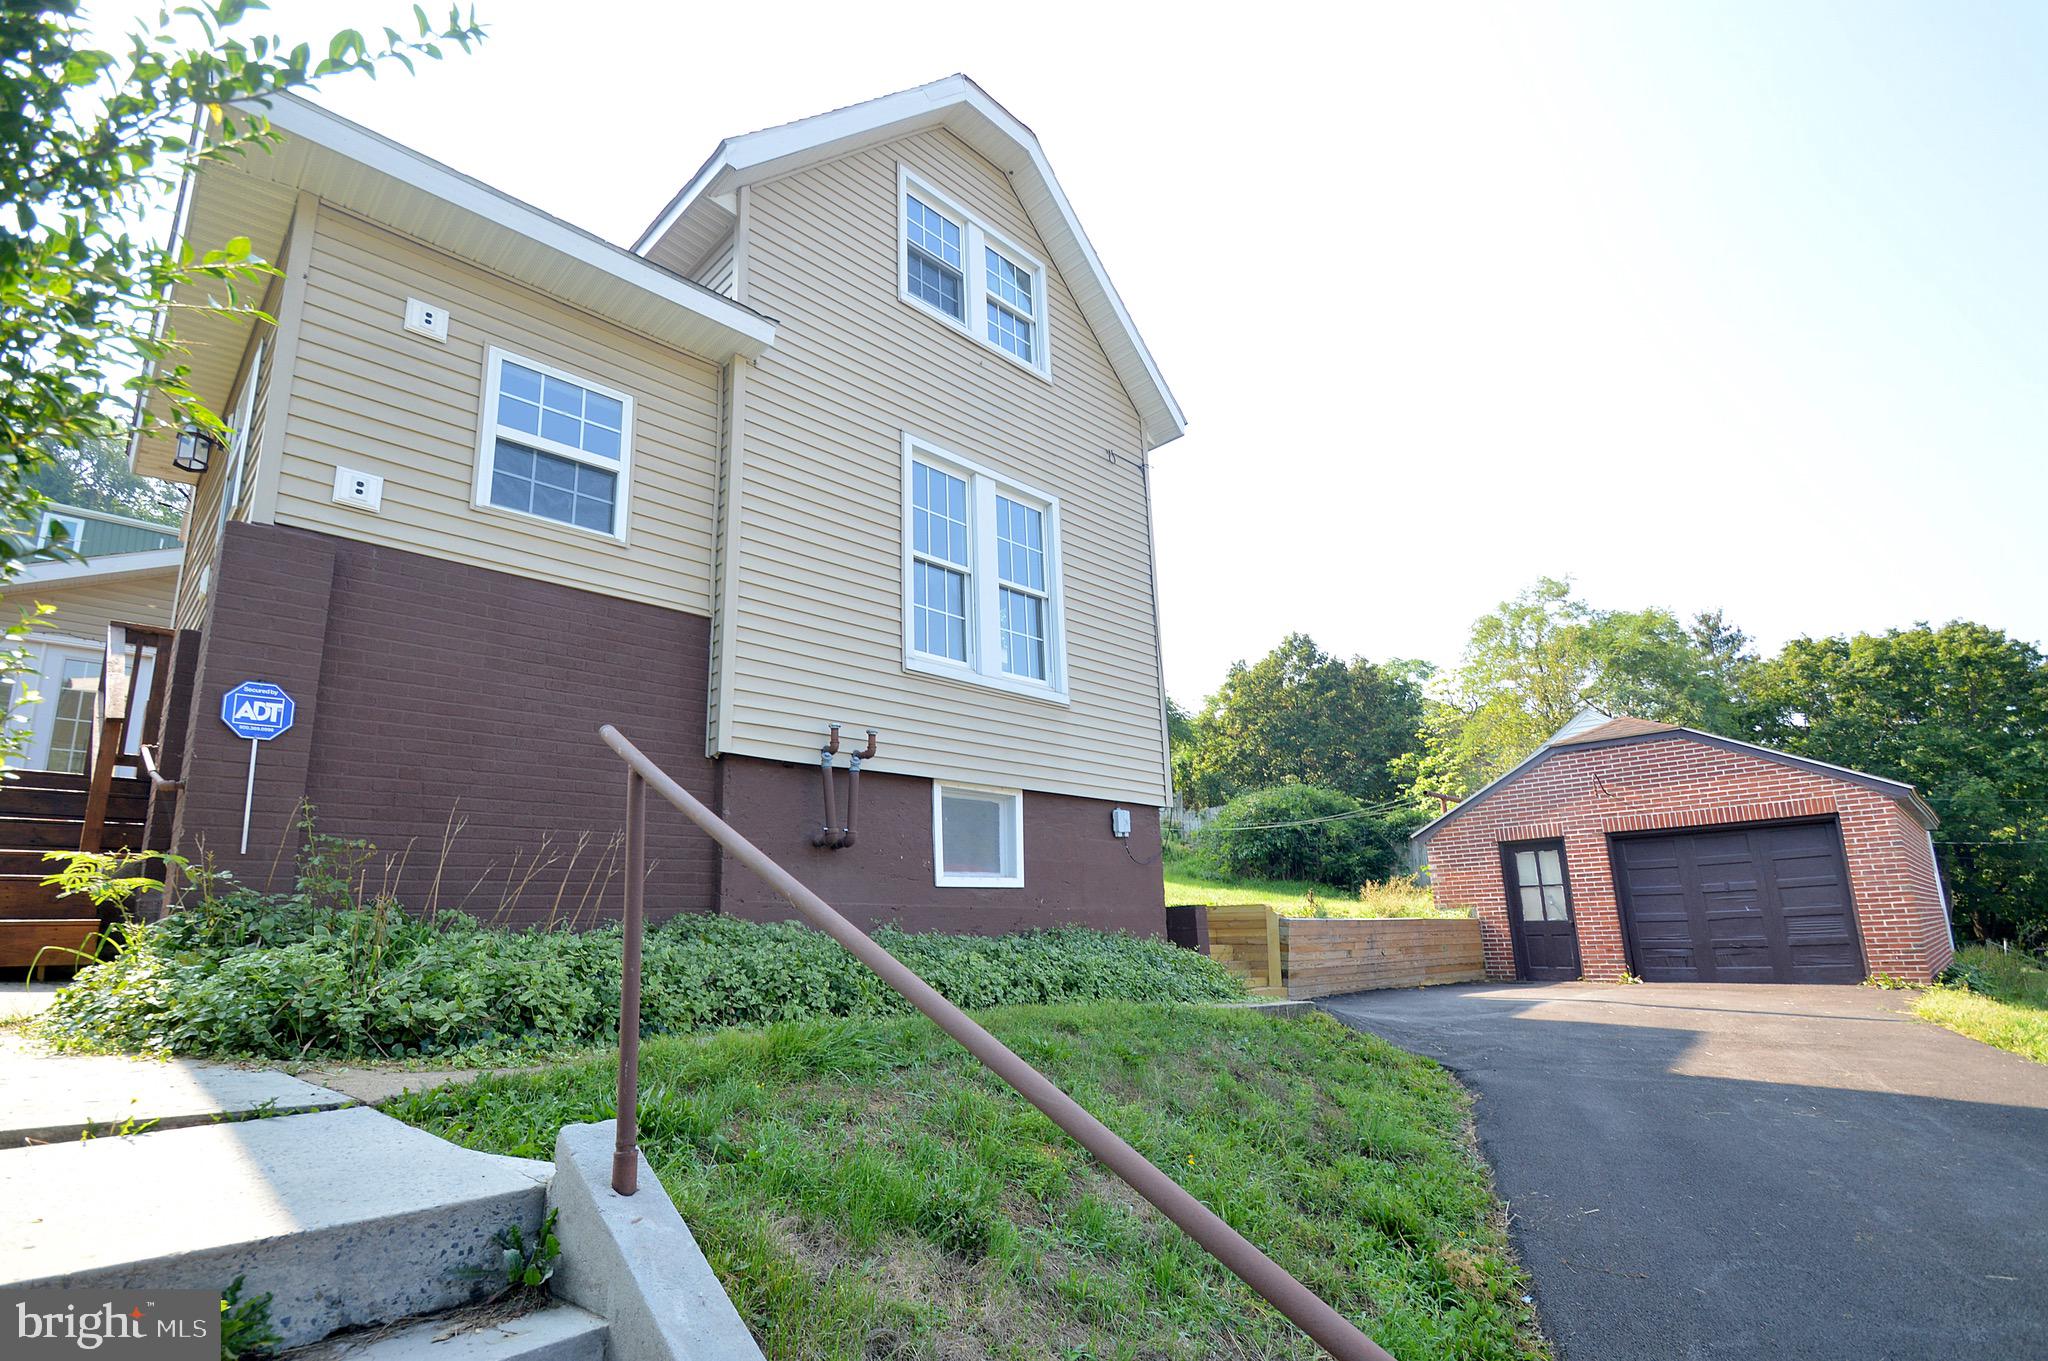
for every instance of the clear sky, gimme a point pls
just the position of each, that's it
(1731, 305)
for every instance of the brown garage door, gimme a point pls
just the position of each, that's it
(1739, 905)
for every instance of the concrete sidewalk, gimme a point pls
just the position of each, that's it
(55, 1098)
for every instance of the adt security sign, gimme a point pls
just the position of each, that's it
(258, 711)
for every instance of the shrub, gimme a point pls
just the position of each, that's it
(1301, 831)
(241, 973)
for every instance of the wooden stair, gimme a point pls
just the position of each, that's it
(42, 811)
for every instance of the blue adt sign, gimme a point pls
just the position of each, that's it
(257, 710)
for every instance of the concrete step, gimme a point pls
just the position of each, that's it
(556, 1332)
(56, 1098)
(347, 1218)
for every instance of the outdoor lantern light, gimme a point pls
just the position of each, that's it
(195, 449)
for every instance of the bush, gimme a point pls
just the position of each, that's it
(241, 973)
(1325, 836)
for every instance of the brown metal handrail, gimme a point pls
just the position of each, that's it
(1337, 1334)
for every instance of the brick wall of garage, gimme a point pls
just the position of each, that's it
(1585, 794)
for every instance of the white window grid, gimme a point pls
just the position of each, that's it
(566, 419)
(1005, 627)
(939, 244)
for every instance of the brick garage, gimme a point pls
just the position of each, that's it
(1624, 846)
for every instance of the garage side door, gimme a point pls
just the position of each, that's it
(1739, 905)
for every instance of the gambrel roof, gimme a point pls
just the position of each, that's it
(700, 217)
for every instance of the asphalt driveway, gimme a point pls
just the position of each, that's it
(1700, 1171)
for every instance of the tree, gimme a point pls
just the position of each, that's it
(1960, 712)
(1299, 715)
(95, 476)
(1539, 658)
(89, 139)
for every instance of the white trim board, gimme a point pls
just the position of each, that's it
(110, 568)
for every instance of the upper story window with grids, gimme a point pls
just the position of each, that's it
(981, 576)
(554, 446)
(957, 268)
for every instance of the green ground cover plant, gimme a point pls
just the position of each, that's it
(864, 1188)
(314, 974)
(1993, 995)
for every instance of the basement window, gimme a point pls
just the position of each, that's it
(970, 276)
(981, 576)
(977, 837)
(554, 447)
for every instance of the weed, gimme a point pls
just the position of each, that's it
(1890, 982)
(529, 1266)
(245, 1327)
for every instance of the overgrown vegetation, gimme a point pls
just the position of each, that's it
(1194, 878)
(864, 1188)
(320, 973)
(1303, 831)
(1993, 995)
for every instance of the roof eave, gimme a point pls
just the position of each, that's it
(1898, 791)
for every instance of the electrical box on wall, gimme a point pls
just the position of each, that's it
(1120, 822)
(428, 319)
(364, 490)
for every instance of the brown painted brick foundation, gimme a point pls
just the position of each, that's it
(431, 691)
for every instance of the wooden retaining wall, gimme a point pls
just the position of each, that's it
(1246, 940)
(1323, 956)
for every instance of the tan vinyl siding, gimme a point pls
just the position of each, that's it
(719, 272)
(818, 635)
(202, 516)
(368, 395)
(84, 609)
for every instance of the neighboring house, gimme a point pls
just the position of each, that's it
(129, 576)
(857, 433)
(1625, 846)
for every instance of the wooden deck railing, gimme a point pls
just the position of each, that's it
(1337, 1334)
(128, 647)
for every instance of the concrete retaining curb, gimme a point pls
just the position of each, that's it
(634, 1263)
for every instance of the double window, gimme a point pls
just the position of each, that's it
(977, 837)
(981, 575)
(555, 446)
(970, 276)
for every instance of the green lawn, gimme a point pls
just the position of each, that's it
(864, 1189)
(2006, 1005)
(1190, 881)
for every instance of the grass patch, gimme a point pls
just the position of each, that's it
(864, 1188)
(1192, 878)
(1999, 998)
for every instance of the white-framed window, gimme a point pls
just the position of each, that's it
(554, 446)
(981, 576)
(970, 276)
(238, 443)
(977, 836)
(73, 526)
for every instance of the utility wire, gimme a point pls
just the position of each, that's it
(1352, 815)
